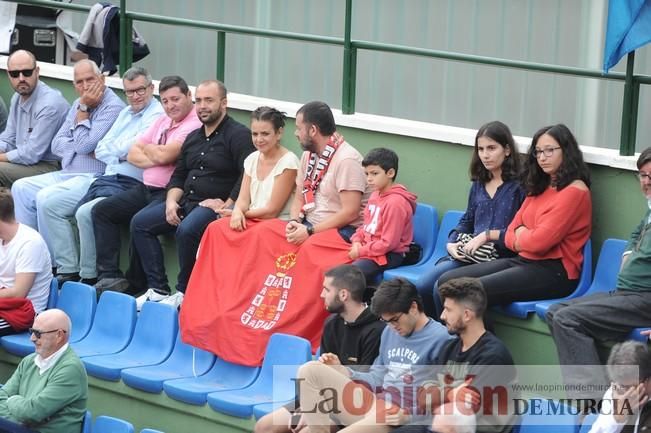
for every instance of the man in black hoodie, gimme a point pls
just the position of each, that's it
(351, 334)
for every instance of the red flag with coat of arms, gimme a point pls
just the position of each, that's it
(248, 285)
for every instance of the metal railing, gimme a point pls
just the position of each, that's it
(350, 47)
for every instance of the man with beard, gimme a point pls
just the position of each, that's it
(36, 112)
(206, 179)
(331, 185)
(351, 336)
(408, 347)
(469, 365)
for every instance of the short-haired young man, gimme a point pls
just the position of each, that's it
(471, 363)
(410, 344)
(25, 270)
(383, 239)
(351, 334)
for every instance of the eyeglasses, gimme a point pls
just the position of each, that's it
(26, 73)
(139, 91)
(38, 333)
(392, 320)
(547, 152)
(643, 176)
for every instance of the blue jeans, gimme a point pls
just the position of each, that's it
(431, 295)
(149, 223)
(371, 269)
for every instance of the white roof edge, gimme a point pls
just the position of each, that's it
(370, 122)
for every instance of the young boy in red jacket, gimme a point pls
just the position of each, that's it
(384, 238)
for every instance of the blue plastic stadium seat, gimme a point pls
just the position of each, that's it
(425, 221)
(545, 417)
(522, 309)
(78, 301)
(115, 319)
(108, 424)
(587, 423)
(185, 361)
(153, 340)
(87, 424)
(605, 274)
(148, 430)
(260, 410)
(282, 350)
(422, 274)
(53, 297)
(637, 336)
(222, 375)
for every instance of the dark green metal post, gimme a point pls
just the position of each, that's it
(129, 46)
(124, 37)
(629, 109)
(348, 82)
(221, 55)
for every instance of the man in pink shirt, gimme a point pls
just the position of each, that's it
(156, 151)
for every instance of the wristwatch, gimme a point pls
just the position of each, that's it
(83, 108)
(310, 230)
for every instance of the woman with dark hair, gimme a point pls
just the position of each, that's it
(269, 173)
(550, 229)
(495, 196)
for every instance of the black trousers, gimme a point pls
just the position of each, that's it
(108, 215)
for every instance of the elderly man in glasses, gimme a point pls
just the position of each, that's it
(73, 245)
(48, 391)
(36, 112)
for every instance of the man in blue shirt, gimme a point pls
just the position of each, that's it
(79, 260)
(36, 112)
(408, 348)
(87, 122)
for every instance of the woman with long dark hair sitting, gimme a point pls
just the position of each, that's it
(550, 229)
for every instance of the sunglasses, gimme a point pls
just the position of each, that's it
(38, 333)
(26, 73)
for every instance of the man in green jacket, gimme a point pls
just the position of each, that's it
(48, 390)
(576, 324)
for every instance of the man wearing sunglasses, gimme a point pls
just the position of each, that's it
(73, 245)
(36, 112)
(87, 122)
(48, 391)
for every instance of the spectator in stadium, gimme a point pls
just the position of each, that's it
(155, 152)
(410, 343)
(472, 363)
(206, 179)
(548, 232)
(269, 173)
(625, 403)
(383, 239)
(36, 112)
(495, 196)
(87, 122)
(351, 335)
(25, 270)
(331, 188)
(68, 219)
(577, 324)
(49, 389)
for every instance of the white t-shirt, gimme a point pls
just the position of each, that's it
(27, 252)
(261, 189)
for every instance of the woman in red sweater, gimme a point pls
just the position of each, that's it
(549, 230)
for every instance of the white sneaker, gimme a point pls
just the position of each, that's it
(175, 300)
(150, 295)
